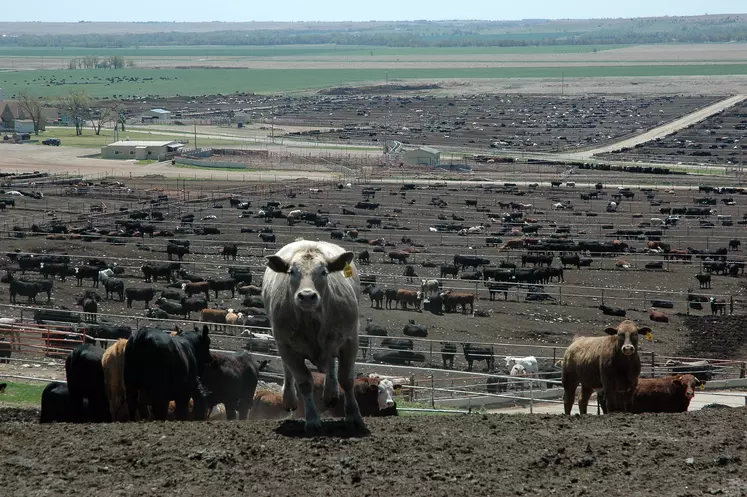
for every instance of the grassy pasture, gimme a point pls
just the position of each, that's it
(125, 83)
(23, 394)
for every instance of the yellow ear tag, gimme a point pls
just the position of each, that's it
(702, 386)
(348, 271)
(649, 336)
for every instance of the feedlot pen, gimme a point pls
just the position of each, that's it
(533, 318)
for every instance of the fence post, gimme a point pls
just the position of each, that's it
(430, 353)
(531, 397)
(560, 294)
(653, 364)
(602, 296)
(433, 400)
(412, 390)
(731, 304)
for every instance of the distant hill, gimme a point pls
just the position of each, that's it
(421, 33)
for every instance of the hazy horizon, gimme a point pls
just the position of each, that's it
(339, 11)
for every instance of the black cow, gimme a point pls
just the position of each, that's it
(84, 272)
(112, 286)
(5, 351)
(231, 379)
(397, 343)
(448, 351)
(26, 289)
(193, 304)
(141, 294)
(178, 250)
(477, 353)
(85, 380)
(56, 405)
(412, 329)
(164, 368)
(612, 311)
(155, 271)
(223, 285)
(230, 251)
(495, 384)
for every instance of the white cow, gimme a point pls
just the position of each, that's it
(386, 393)
(517, 371)
(430, 287)
(529, 363)
(311, 294)
(7, 327)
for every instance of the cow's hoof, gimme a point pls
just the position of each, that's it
(331, 401)
(313, 427)
(355, 422)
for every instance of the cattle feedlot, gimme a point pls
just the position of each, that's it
(558, 261)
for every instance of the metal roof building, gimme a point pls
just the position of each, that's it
(423, 155)
(140, 150)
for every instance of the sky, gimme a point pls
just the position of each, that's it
(352, 10)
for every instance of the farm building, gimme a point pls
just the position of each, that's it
(140, 150)
(11, 112)
(423, 155)
(157, 115)
(23, 126)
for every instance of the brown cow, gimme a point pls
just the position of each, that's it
(405, 297)
(217, 316)
(668, 394)
(452, 300)
(268, 405)
(610, 363)
(658, 316)
(113, 364)
(367, 392)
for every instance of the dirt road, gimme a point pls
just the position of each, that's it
(660, 131)
(682, 454)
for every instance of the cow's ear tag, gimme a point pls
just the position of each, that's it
(702, 386)
(649, 336)
(348, 270)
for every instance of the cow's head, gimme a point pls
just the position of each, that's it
(627, 335)
(386, 394)
(689, 383)
(308, 270)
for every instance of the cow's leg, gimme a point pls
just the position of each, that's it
(161, 409)
(331, 389)
(346, 377)
(295, 368)
(569, 395)
(583, 401)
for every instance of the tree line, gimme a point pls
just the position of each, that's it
(96, 62)
(639, 32)
(77, 106)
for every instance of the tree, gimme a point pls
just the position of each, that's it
(74, 63)
(32, 106)
(120, 117)
(76, 105)
(99, 118)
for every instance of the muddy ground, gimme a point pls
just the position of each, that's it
(697, 453)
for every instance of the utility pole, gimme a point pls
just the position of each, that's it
(194, 122)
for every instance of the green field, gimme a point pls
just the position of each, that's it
(23, 394)
(290, 51)
(126, 83)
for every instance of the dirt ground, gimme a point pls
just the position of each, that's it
(698, 453)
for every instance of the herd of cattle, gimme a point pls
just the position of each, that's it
(174, 375)
(543, 258)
